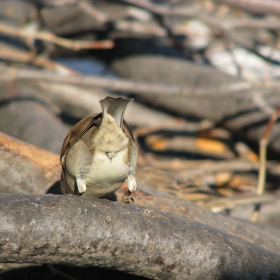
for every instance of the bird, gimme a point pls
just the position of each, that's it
(100, 153)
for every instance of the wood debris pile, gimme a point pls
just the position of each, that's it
(205, 79)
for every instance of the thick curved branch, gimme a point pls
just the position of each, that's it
(28, 169)
(84, 231)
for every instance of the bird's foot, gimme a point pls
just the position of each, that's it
(127, 197)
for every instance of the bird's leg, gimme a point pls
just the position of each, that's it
(81, 182)
(131, 182)
(81, 185)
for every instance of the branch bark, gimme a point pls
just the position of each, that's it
(84, 231)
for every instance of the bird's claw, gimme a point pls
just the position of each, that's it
(127, 197)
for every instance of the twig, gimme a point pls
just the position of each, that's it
(262, 168)
(179, 164)
(218, 205)
(50, 37)
(233, 165)
(12, 54)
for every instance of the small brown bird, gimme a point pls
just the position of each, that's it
(99, 153)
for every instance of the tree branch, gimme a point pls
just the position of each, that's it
(236, 90)
(84, 231)
(28, 169)
(52, 38)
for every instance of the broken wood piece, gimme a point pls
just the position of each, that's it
(25, 168)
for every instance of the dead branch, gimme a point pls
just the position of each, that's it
(237, 90)
(9, 53)
(83, 231)
(218, 205)
(52, 38)
(87, 101)
(263, 147)
(233, 165)
(262, 169)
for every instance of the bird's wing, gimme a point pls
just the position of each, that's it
(77, 132)
(128, 130)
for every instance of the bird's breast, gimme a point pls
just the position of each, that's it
(108, 167)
